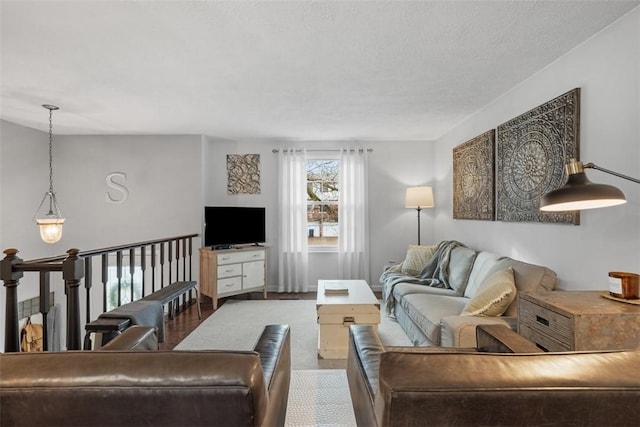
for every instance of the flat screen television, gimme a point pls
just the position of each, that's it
(225, 226)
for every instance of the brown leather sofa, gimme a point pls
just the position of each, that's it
(436, 386)
(116, 386)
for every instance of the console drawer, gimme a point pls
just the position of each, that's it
(229, 285)
(241, 256)
(229, 270)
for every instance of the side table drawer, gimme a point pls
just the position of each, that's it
(544, 342)
(546, 321)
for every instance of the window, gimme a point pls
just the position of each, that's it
(323, 195)
(125, 286)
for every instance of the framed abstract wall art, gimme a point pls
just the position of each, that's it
(532, 150)
(473, 178)
(243, 173)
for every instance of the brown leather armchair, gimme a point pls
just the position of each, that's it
(160, 388)
(403, 386)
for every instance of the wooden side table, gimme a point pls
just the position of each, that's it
(578, 320)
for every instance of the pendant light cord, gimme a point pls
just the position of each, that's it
(51, 151)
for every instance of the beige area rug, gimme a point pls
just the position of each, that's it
(238, 324)
(319, 391)
(319, 398)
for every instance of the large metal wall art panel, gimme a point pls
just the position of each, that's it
(532, 151)
(473, 178)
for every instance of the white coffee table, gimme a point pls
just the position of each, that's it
(336, 312)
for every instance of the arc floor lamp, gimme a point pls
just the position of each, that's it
(419, 198)
(579, 193)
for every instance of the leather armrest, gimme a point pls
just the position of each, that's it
(274, 347)
(137, 338)
(363, 361)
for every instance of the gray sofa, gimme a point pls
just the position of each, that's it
(436, 313)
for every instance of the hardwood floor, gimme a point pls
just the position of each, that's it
(176, 329)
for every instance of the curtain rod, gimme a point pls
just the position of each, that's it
(369, 150)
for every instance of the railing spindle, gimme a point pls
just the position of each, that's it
(45, 303)
(143, 267)
(162, 265)
(88, 283)
(183, 242)
(132, 269)
(119, 275)
(105, 280)
(170, 244)
(153, 268)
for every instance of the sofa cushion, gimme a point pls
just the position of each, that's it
(426, 311)
(528, 278)
(405, 288)
(416, 258)
(494, 295)
(483, 266)
(460, 265)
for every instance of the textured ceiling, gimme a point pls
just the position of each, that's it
(300, 70)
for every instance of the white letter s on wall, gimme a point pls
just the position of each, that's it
(110, 180)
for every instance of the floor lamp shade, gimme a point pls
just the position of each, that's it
(418, 198)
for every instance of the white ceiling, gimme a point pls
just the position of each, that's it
(300, 70)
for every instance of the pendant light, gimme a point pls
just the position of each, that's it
(50, 220)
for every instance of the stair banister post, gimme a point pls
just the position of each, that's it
(72, 272)
(11, 279)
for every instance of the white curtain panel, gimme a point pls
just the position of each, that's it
(293, 257)
(353, 251)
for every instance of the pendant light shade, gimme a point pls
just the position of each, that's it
(579, 193)
(50, 223)
(48, 216)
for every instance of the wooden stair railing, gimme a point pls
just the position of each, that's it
(76, 265)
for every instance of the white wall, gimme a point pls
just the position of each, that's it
(606, 68)
(24, 178)
(163, 180)
(215, 188)
(393, 166)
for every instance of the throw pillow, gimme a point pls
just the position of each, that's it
(416, 258)
(493, 297)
